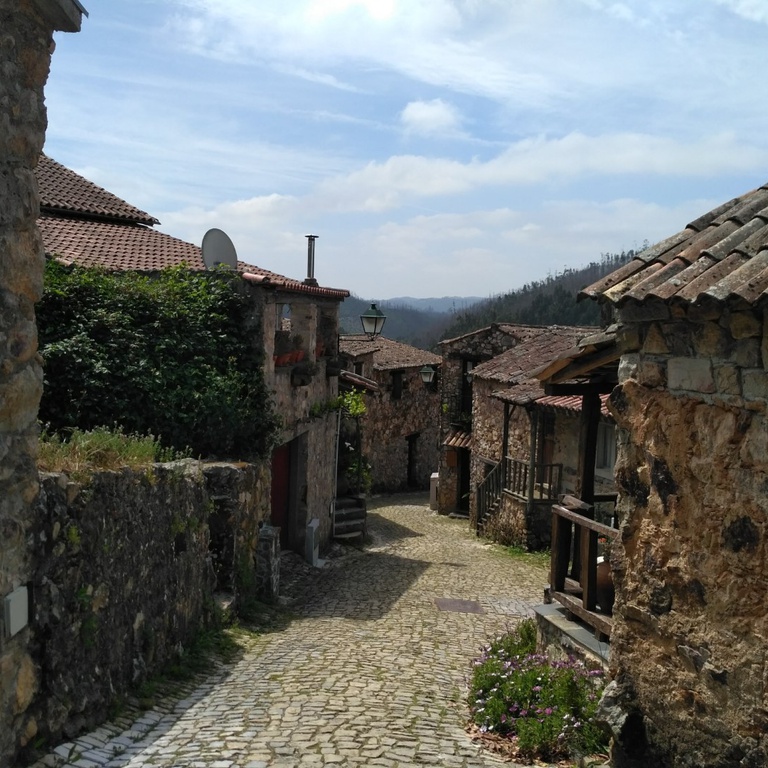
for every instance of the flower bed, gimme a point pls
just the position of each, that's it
(544, 709)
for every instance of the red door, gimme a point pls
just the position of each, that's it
(281, 474)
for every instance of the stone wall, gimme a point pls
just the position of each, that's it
(25, 46)
(301, 394)
(691, 575)
(125, 569)
(387, 425)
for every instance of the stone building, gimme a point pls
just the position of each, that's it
(690, 633)
(459, 356)
(83, 224)
(26, 44)
(525, 445)
(400, 429)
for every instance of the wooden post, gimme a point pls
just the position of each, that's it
(560, 552)
(590, 418)
(588, 576)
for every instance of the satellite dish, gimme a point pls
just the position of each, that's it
(218, 249)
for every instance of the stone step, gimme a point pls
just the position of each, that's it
(345, 502)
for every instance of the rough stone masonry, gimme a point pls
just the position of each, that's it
(26, 28)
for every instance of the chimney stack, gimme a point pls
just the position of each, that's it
(310, 279)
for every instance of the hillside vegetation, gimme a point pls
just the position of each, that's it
(551, 301)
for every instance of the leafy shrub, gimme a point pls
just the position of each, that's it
(175, 355)
(547, 707)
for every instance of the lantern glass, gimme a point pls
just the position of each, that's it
(373, 321)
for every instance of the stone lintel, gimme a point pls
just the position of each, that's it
(63, 15)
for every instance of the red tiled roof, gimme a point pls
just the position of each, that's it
(458, 438)
(537, 346)
(101, 230)
(64, 191)
(722, 256)
(519, 331)
(571, 403)
(387, 354)
(532, 392)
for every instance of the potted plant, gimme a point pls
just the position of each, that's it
(604, 589)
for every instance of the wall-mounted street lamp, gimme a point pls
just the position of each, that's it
(373, 321)
(427, 374)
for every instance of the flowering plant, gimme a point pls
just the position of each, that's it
(547, 707)
(605, 546)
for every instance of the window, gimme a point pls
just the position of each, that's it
(397, 385)
(359, 369)
(606, 446)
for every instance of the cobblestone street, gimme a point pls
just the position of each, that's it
(370, 671)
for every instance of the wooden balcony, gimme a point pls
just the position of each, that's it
(573, 564)
(543, 486)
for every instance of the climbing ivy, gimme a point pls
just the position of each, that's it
(176, 355)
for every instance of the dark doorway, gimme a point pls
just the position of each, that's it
(462, 503)
(281, 490)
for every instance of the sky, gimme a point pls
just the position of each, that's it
(436, 147)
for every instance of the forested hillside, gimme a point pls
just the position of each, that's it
(551, 301)
(543, 302)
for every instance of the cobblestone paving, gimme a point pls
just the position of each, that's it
(370, 672)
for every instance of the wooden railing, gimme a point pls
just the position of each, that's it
(546, 480)
(489, 494)
(573, 564)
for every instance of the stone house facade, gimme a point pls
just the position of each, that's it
(459, 357)
(83, 224)
(691, 572)
(525, 435)
(400, 429)
(26, 45)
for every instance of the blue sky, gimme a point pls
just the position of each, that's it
(437, 147)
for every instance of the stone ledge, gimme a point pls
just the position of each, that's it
(574, 638)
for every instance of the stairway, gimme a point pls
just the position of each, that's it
(349, 517)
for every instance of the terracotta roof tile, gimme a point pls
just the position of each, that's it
(83, 224)
(457, 438)
(387, 354)
(720, 257)
(538, 345)
(63, 190)
(519, 331)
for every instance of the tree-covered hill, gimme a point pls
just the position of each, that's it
(551, 301)
(543, 302)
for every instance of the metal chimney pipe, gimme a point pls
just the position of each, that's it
(310, 279)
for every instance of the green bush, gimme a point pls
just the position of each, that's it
(547, 707)
(175, 355)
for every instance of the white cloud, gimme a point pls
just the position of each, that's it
(399, 179)
(752, 10)
(431, 118)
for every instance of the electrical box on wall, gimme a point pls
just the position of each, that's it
(16, 611)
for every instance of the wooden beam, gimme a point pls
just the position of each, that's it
(603, 624)
(584, 365)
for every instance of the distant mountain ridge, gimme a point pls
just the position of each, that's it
(551, 301)
(441, 304)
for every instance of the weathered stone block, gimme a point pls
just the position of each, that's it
(747, 354)
(744, 325)
(652, 373)
(710, 340)
(754, 384)
(727, 379)
(628, 368)
(655, 343)
(690, 374)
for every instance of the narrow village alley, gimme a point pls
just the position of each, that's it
(369, 671)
